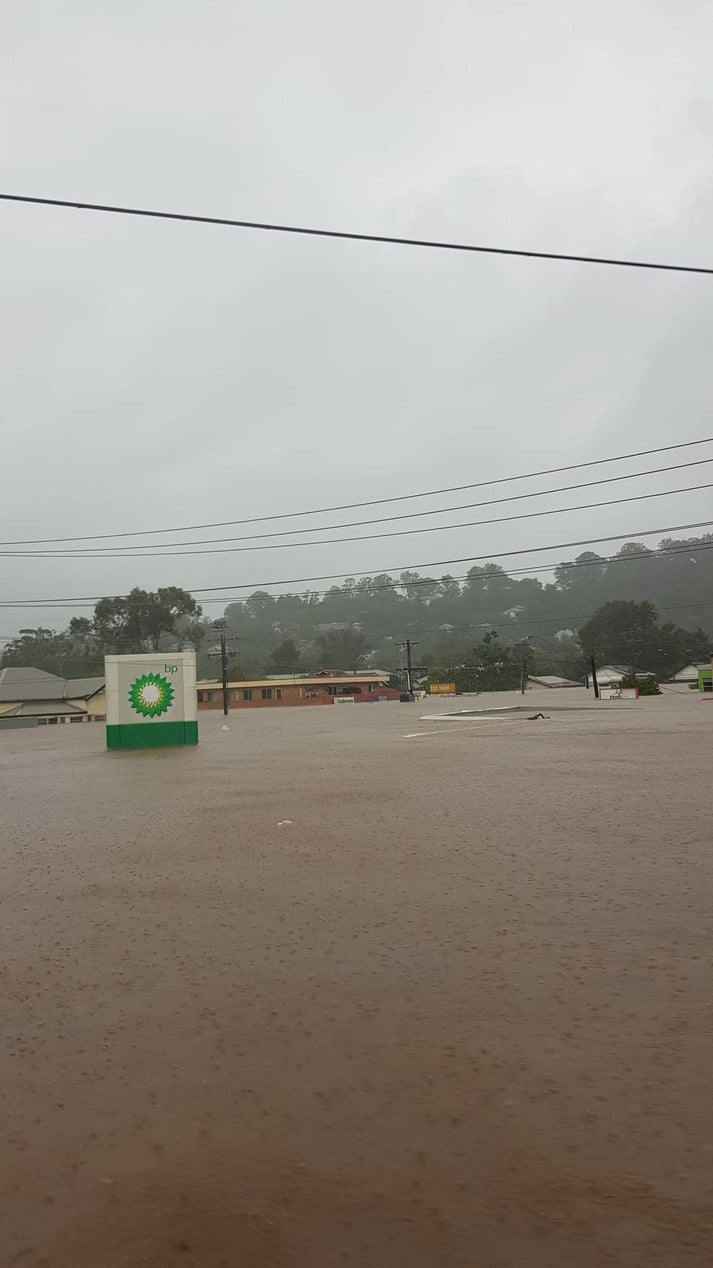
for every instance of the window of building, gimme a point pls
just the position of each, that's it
(208, 696)
(371, 686)
(247, 693)
(200, 697)
(267, 693)
(278, 693)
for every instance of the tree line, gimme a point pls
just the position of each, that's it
(649, 608)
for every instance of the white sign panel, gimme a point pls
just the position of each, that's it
(151, 700)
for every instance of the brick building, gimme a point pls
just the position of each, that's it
(323, 688)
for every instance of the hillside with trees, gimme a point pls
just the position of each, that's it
(652, 608)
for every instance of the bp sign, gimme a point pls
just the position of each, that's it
(151, 700)
(151, 695)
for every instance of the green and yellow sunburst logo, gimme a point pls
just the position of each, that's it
(150, 695)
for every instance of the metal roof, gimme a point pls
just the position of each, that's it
(212, 684)
(22, 683)
(42, 709)
(82, 688)
(24, 673)
(552, 680)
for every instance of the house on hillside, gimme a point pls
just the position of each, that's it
(33, 697)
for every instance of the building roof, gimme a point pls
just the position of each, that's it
(82, 688)
(552, 680)
(43, 709)
(621, 671)
(24, 673)
(23, 683)
(207, 685)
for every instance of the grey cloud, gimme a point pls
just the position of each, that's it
(165, 374)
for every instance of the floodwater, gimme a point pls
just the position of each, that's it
(458, 1012)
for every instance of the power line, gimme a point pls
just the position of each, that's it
(352, 506)
(511, 573)
(100, 552)
(367, 537)
(396, 584)
(438, 563)
(387, 239)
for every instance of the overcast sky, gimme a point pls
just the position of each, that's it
(157, 374)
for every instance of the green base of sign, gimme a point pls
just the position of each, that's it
(151, 735)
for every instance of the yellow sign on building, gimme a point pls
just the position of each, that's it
(442, 689)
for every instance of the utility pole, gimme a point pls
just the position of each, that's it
(525, 647)
(220, 625)
(224, 670)
(408, 644)
(595, 684)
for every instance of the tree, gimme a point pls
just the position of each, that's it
(633, 549)
(589, 571)
(410, 583)
(619, 632)
(493, 667)
(647, 684)
(622, 632)
(449, 588)
(257, 604)
(41, 649)
(286, 657)
(342, 649)
(81, 628)
(191, 630)
(136, 621)
(487, 577)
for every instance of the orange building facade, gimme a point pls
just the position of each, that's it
(322, 689)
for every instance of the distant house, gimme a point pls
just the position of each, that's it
(691, 673)
(33, 697)
(551, 680)
(700, 675)
(612, 675)
(336, 627)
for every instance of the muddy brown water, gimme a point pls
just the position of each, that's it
(458, 1013)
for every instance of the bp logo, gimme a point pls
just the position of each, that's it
(150, 695)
